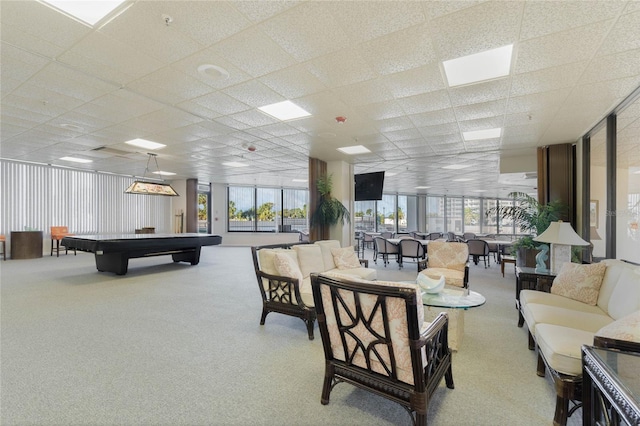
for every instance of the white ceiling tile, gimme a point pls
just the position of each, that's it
(221, 103)
(493, 24)
(483, 110)
(611, 67)
(419, 80)
(433, 118)
(253, 93)
(293, 82)
(543, 18)
(109, 59)
(170, 86)
(437, 9)
(378, 19)
(381, 110)
(143, 28)
(260, 10)
(34, 25)
(366, 92)
(547, 79)
(560, 48)
(341, 68)
(538, 101)
(206, 22)
(622, 37)
(253, 52)
(400, 51)
(302, 31)
(432, 101)
(480, 92)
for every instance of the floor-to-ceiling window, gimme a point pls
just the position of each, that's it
(598, 197)
(435, 214)
(454, 213)
(628, 183)
(489, 221)
(365, 216)
(204, 207)
(386, 213)
(267, 209)
(472, 215)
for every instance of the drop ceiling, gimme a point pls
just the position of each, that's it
(73, 90)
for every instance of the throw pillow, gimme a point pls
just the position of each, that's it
(287, 267)
(579, 282)
(625, 297)
(345, 258)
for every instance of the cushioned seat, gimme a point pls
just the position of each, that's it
(447, 259)
(560, 347)
(543, 314)
(549, 299)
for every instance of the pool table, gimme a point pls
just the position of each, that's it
(113, 251)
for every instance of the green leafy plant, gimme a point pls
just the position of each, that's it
(330, 210)
(530, 216)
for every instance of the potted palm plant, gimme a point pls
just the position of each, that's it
(532, 218)
(330, 210)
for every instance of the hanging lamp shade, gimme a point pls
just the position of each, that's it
(151, 188)
(148, 188)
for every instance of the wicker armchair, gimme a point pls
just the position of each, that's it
(404, 362)
(450, 260)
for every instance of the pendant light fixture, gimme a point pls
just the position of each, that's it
(151, 188)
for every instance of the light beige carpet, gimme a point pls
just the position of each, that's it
(174, 344)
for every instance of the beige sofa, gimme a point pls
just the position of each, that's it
(283, 274)
(559, 325)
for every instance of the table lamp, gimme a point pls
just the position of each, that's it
(561, 236)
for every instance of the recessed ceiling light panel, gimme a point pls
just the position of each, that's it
(477, 135)
(160, 172)
(354, 149)
(89, 12)
(285, 110)
(143, 143)
(423, 187)
(462, 180)
(234, 164)
(456, 166)
(300, 180)
(76, 160)
(487, 65)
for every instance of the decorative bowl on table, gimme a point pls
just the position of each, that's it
(430, 285)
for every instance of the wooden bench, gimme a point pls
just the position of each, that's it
(507, 259)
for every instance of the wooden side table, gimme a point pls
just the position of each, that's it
(507, 259)
(26, 244)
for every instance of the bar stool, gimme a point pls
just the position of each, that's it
(4, 246)
(58, 233)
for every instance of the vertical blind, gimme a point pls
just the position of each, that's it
(35, 196)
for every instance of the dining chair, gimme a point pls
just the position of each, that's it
(3, 242)
(57, 234)
(477, 249)
(412, 249)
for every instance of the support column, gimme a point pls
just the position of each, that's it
(191, 215)
(344, 191)
(317, 168)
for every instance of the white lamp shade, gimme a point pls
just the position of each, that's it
(561, 233)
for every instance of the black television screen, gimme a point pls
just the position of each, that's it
(369, 186)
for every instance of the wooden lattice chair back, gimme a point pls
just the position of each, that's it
(374, 337)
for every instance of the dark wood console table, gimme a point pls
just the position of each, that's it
(611, 387)
(26, 244)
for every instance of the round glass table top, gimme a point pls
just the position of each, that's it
(454, 299)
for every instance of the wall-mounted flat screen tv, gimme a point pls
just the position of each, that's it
(369, 186)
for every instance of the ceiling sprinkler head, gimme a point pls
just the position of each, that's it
(340, 119)
(251, 148)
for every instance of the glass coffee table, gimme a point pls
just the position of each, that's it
(453, 301)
